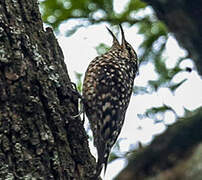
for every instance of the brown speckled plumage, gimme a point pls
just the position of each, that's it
(107, 89)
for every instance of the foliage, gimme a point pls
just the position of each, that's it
(54, 12)
(79, 81)
(154, 111)
(102, 48)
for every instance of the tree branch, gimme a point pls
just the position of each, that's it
(166, 150)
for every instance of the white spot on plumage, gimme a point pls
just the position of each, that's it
(107, 105)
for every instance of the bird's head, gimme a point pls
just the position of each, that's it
(125, 48)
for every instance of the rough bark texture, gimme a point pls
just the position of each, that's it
(169, 156)
(39, 139)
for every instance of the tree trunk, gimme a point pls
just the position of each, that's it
(39, 138)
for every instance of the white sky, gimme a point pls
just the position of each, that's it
(79, 50)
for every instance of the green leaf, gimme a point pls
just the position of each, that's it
(136, 5)
(102, 48)
(113, 156)
(160, 109)
(152, 112)
(79, 81)
(176, 85)
(155, 84)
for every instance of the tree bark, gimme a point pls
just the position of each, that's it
(39, 138)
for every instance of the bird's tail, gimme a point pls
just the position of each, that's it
(102, 161)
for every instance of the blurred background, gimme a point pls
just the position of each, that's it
(162, 132)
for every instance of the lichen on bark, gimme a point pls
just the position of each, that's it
(39, 139)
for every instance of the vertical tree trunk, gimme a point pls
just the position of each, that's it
(38, 136)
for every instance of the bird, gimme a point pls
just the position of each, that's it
(107, 89)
